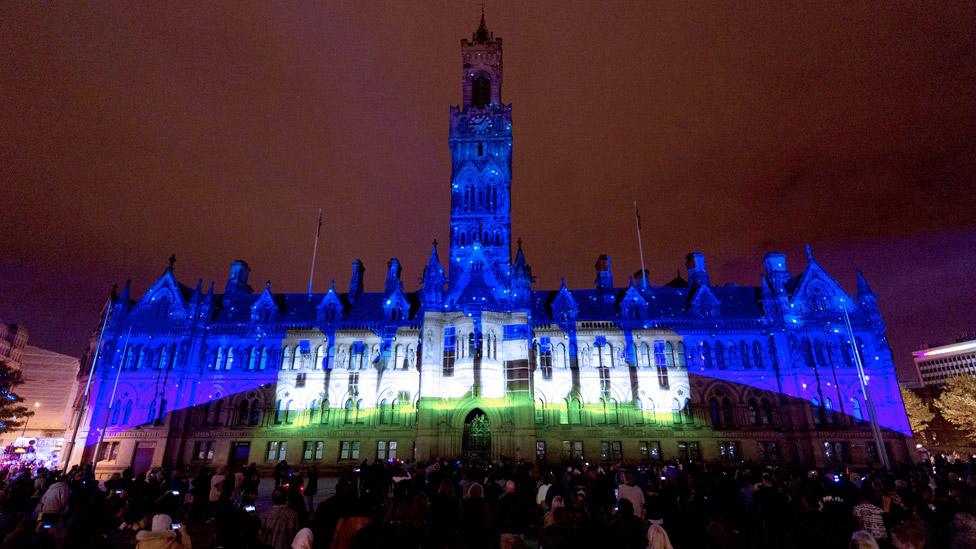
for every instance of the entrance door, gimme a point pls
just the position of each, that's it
(239, 452)
(143, 456)
(477, 436)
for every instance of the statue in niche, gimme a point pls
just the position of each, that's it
(342, 358)
(428, 344)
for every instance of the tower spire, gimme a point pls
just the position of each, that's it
(482, 35)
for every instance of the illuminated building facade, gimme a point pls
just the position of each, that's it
(479, 362)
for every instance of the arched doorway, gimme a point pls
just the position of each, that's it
(477, 436)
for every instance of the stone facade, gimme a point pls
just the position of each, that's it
(480, 362)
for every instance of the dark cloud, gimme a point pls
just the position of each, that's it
(131, 131)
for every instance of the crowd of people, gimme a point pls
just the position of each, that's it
(511, 504)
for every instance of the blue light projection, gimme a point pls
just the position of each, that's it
(243, 359)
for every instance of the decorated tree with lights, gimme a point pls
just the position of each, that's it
(920, 414)
(957, 404)
(12, 413)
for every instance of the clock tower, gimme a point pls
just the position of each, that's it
(481, 164)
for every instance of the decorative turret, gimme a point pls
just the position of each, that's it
(356, 280)
(604, 276)
(521, 278)
(776, 274)
(237, 282)
(196, 299)
(207, 303)
(697, 273)
(564, 306)
(867, 299)
(393, 271)
(124, 299)
(433, 281)
(330, 308)
(482, 35)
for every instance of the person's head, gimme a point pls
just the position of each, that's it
(510, 487)
(557, 503)
(279, 497)
(907, 536)
(476, 491)
(862, 539)
(303, 539)
(446, 488)
(657, 538)
(579, 498)
(162, 523)
(625, 508)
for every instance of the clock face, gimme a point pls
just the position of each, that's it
(480, 123)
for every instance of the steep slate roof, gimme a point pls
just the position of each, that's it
(368, 307)
(663, 302)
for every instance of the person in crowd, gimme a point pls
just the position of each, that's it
(303, 539)
(311, 487)
(633, 493)
(870, 518)
(280, 523)
(54, 501)
(164, 535)
(862, 539)
(657, 538)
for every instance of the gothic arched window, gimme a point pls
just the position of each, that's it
(767, 411)
(243, 413)
(324, 417)
(610, 415)
(255, 412)
(744, 351)
(163, 363)
(649, 412)
(753, 412)
(575, 410)
(395, 412)
(727, 416)
(287, 358)
(856, 410)
(720, 355)
(481, 91)
(230, 359)
(644, 356)
(127, 413)
(384, 411)
(320, 357)
(715, 413)
(116, 411)
(757, 360)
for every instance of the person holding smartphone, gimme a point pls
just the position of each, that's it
(164, 535)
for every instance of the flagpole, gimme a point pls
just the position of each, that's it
(315, 249)
(91, 372)
(111, 400)
(640, 245)
(866, 392)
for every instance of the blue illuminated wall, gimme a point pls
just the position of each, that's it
(179, 360)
